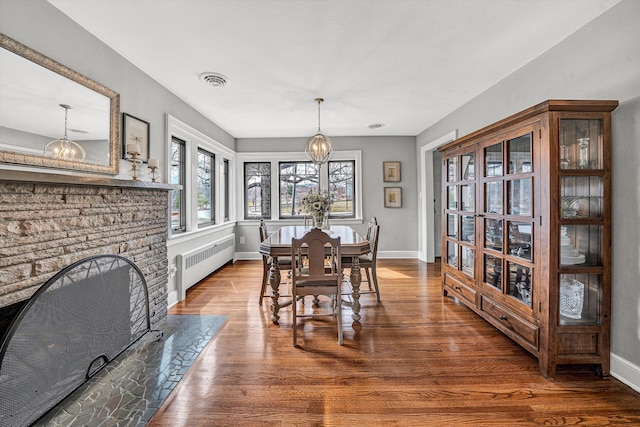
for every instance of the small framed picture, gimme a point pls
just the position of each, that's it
(391, 171)
(135, 131)
(392, 197)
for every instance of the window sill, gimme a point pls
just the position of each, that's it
(177, 238)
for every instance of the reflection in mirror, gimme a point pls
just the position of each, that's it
(44, 102)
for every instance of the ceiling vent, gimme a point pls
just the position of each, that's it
(214, 79)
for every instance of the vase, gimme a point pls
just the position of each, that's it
(571, 298)
(583, 143)
(318, 220)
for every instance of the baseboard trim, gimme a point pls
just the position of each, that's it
(241, 256)
(625, 371)
(398, 254)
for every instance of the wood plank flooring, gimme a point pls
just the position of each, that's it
(418, 359)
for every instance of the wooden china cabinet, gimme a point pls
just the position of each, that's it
(527, 229)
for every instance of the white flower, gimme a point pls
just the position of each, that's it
(316, 204)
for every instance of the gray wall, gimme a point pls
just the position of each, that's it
(398, 230)
(599, 61)
(42, 27)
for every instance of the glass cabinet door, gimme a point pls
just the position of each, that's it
(581, 212)
(507, 185)
(460, 207)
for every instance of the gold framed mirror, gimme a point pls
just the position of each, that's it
(54, 117)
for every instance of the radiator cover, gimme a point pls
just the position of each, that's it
(198, 263)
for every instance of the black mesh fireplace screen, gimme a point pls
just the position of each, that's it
(76, 323)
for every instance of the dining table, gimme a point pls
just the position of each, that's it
(278, 244)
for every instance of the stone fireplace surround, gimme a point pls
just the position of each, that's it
(49, 221)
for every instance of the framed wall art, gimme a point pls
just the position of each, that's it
(391, 171)
(135, 131)
(392, 197)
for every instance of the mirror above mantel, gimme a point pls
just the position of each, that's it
(42, 101)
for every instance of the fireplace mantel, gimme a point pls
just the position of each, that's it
(97, 181)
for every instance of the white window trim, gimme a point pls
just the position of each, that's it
(275, 159)
(195, 139)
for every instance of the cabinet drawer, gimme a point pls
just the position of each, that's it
(460, 290)
(524, 329)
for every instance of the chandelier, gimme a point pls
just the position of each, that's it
(318, 148)
(64, 148)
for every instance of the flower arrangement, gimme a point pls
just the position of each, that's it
(315, 205)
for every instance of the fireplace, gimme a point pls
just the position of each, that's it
(48, 222)
(72, 327)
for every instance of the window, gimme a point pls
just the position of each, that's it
(341, 188)
(296, 180)
(257, 181)
(177, 176)
(227, 188)
(275, 183)
(206, 185)
(204, 169)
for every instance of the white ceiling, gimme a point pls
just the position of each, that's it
(405, 63)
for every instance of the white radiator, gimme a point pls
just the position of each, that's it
(196, 264)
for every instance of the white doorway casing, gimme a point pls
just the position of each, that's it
(426, 222)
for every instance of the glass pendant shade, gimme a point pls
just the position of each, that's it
(318, 148)
(64, 148)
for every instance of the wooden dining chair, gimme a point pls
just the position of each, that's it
(368, 261)
(318, 271)
(283, 262)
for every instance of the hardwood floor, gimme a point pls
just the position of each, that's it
(418, 359)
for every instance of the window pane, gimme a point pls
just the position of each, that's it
(581, 143)
(468, 260)
(257, 181)
(468, 198)
(581, 244)
(493, 271)
(493, 234)
(341, 188)
(452, 169)
(520, 154)
(177, 176)
(452, 197)
(296, 180)
(452, 225)
(468, 229)
(519, 285)
(493, 160)
(520, 239)
(580, 299)
(468, 166)
(519, 197)
(452, 254)
(581, 197)
(493, 197)
(205, 185)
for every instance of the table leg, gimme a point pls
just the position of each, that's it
(274, 281)
(356, 278)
